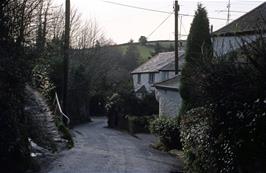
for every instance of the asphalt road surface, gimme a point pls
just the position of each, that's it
(102, 150)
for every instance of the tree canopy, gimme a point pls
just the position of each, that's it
(143, 40)
(199, 38)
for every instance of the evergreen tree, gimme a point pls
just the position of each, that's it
(199, 38)
(143, 40)
(198, 46)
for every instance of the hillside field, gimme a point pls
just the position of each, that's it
(148, 50)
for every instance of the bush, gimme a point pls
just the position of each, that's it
(66, 135)
(166, 128)
(42, 82)
(120, 105)
(139, 124)
(195, 137)
(64, 132)
(225, 138)
(228, 133)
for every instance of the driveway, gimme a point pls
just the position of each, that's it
(102, 150)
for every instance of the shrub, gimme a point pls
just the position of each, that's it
(66, 135)
(64, 132)
(225, 138)
(42, 82)
(228, 133)
(166, 128)
(120, 105)
(139, 124)
(195, 136)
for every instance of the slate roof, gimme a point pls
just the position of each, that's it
(248, 23)
(170, 84)
(171, 66)
(160, 61)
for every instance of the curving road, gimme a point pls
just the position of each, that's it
(102, 150)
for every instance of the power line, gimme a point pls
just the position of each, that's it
(221, 11)
(253, 1)
(160, 25)
(140, 8)
(189, 15)
(158, 11)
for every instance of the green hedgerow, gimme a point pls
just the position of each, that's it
(167, 129)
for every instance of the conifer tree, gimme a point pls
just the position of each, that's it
(198, 46)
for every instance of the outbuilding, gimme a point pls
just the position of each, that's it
(168, 95)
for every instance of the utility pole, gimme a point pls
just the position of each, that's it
(228, 12)
(180, 29)
(176, 8)
(66, 54)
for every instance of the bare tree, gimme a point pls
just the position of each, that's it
(89, 35)
(43, 23)
(57, 23)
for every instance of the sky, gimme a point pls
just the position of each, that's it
(120, 23)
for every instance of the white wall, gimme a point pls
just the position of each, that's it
(171, 74)
(161, 75)
(169, 102)
(145, 80)
(224, 45)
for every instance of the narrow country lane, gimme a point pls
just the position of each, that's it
(102, 150)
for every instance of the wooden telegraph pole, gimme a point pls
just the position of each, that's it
(176, 8)
(228, 11)
(66, 54)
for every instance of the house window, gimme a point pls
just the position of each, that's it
(139, 78)
(151, 78)
(165, 75)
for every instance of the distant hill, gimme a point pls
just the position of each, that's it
(150, 49)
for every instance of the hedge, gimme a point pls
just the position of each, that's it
(167, 129)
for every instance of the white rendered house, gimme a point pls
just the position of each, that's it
(159, 68)
(245, 29)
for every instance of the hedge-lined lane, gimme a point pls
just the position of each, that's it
(102, 150)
